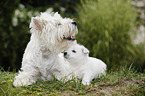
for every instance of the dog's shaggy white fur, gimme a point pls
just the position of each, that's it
(83, 66)
(50, 35)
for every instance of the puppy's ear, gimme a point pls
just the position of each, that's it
(75, 41)
(85, 50)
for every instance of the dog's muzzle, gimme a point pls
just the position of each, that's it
(69, 38)
(74, 23)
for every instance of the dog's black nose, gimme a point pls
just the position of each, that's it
(74, 23)
(65, 53)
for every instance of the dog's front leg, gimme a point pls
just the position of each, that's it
(26, 77)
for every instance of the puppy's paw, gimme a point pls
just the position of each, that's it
(85, 83)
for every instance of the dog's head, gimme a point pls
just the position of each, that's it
(53, 30)
(76, 53)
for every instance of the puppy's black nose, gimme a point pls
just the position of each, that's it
(74, 23)
(65, 53)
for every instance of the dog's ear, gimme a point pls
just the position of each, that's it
(57, 15)
(85, 50)
(38, 23)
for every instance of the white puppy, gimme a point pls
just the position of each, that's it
(50, 35)
(83, 66)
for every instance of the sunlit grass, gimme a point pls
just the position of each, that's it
(124, 81)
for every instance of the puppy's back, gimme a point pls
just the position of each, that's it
(98, 66)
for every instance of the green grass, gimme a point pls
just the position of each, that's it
(105, 28)
(122, 82)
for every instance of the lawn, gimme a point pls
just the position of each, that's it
(124, 81)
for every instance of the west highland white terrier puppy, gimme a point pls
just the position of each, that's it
(83, 66)
(50, 35)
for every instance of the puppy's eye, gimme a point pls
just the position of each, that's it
(73, 51)
(59, 24)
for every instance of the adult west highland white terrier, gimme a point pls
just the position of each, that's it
(83, 66)
(50, 35)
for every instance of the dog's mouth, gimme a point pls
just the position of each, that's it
(72, 34)
(69, 37)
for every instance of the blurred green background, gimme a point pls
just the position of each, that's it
(113, 30)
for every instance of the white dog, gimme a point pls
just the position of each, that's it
(83, 66)
(50, 35)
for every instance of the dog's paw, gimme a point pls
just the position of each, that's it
(23, 82)
(23, 79)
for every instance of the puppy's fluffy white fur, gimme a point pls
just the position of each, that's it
(49, 33)
(83, 66)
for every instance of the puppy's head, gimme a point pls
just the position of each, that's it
(76, 53)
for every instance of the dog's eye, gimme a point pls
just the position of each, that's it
(73, 51)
